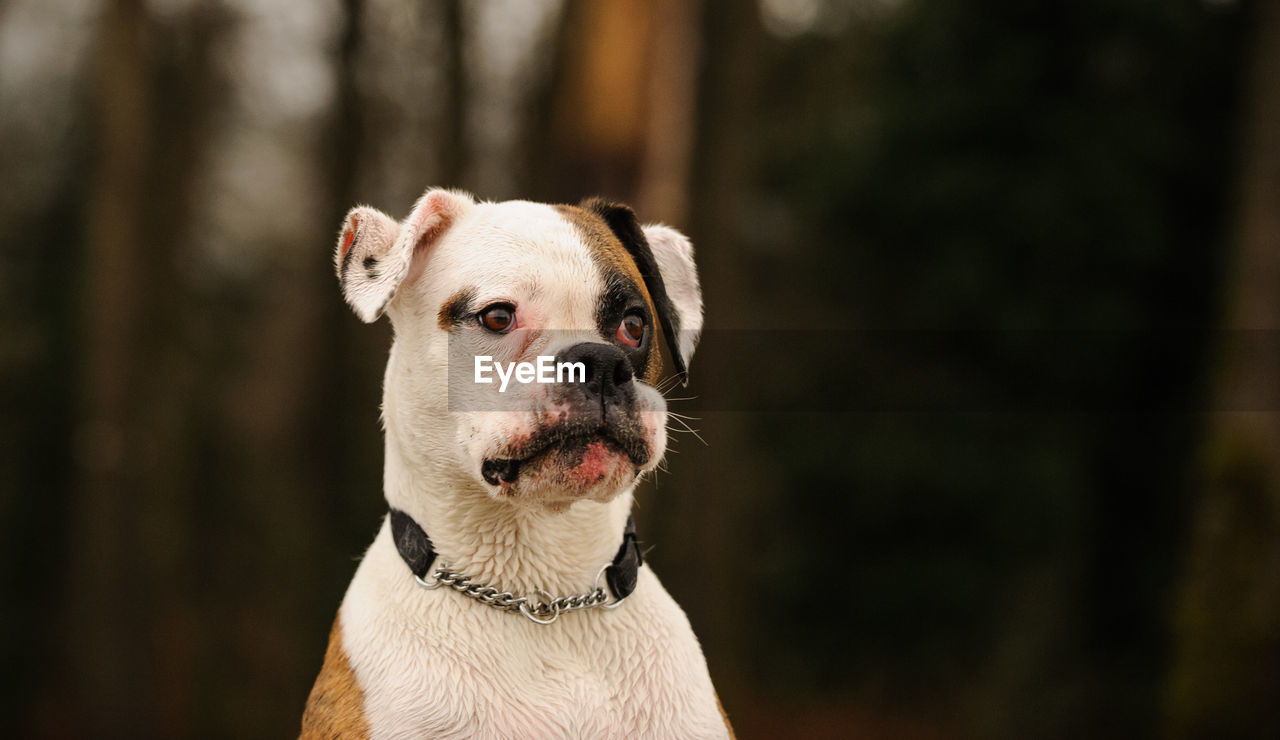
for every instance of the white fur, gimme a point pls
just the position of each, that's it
(434, 663)
(674, 254)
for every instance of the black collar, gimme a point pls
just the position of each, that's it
(418, 553)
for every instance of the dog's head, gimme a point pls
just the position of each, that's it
(529, 339)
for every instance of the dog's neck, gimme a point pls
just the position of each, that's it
(504, 544)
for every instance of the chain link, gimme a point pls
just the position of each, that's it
(542, 611)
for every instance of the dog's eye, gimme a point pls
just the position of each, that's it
(631, 330)
(498, 318)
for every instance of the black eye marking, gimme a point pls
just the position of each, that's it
(622, 301)
(622, 222)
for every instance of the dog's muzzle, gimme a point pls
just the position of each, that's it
(602, 408)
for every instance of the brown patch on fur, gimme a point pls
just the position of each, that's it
(603, 243)
(335, 708)
(350, 236)
(725, 715)
(454, 310)
(614, 258)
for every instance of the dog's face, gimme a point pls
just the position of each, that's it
(529, 338)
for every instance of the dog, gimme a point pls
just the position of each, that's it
(505, 594)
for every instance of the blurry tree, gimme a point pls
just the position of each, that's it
(1227, 676)
(453, 101)
(592, 140)
(663, 192)
(130, 609)
(289, 489)
(703, 517)
(1000, 223)
(41, 228)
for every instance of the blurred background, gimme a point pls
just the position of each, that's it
(989, 390)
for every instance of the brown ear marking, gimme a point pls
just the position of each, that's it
(350, 236)
(335, 708)
(623, 223)
(348, 241)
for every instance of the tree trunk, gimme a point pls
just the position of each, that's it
(663, 191)
(1227, 674)
(453, 138)
(703, 529)
(130, 605)
(102, 653)
(595, 134)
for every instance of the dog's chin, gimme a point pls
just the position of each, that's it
(580, 469)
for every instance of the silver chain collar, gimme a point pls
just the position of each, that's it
(540, 609)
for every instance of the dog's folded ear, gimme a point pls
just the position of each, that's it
(674, 254)
(376, 255)
(363, 260)
(665, 259)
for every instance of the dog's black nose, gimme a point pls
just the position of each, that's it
(607, 371)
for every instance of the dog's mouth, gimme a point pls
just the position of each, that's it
(570, 448)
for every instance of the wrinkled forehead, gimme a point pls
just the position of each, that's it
(564, 259)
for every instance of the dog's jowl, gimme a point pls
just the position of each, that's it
(505, 594)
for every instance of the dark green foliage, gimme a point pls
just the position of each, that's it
(1042, 185)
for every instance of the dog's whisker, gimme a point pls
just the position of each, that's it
(690, 430)
(665, 384)
(698, 437)
(677, 430)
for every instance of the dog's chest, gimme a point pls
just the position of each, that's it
(435, 664)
